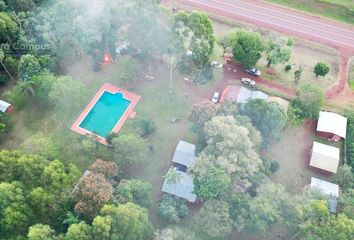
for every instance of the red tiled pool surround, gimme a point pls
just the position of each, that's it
(133, 98)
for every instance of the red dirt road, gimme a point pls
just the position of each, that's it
(327, 32)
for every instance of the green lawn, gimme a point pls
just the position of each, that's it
(351, 74)
(341, 10)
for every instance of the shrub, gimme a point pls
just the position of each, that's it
(321, 69)
(5, 123)
(274, 166)
(12, 65)
(171, 209)
(288, 67)
(147, 126)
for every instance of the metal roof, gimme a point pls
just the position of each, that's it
(185, 154)
(183, 189)
(245, 95)
(332, 123)
(325, 187)
(325, 157)
(4, 105)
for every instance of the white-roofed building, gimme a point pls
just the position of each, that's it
(331, 125)
(325, 157)
(184, 188)
(328, 188)
(185, 154)
(245, 95)
(5, 106)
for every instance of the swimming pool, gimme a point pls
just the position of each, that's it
(105, 114)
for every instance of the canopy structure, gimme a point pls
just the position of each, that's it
(185, 154)
(325, 157)
(333, 123)
(184, 188)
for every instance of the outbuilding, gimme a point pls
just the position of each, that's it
(332, 126)
(329, 189)
(184, 188)
(5, 106)
(324, 157)
(184, 154)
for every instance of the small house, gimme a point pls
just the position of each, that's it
(329, 189)
(331, 126)
(324, 157)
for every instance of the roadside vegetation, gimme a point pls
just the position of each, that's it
(58, 185)
(351, 75)
(342, 10)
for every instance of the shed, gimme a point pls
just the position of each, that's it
(331, 124)
(325, 157)
(245, 95)
(5, 106)
(328, 188)
(184, 154)
(183, 189)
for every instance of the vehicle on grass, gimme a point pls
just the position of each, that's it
(215, 97)
(254, 71)
(248, 82)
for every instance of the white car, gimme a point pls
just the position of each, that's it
(254, 71)
(215, 97)
(248, 81)
(216, 64)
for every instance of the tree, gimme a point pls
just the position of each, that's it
(127, 67)
(247, 48)
(229, 147)
(344, 177)
(279, 50)
(91, 193)
(297, 74)
(128, 222)
(42, 85)
(346, 203)
(173, 176)
(108, 169)
(269, 118)
(338, 227)
(195, 32)
(66, 93)
(321, 69)
(308, 101)
(135, 191)
(2, 56)
(147, 126)
(201, 113)
(129, 149)
(79, 231)
(211, 185)
(28, 67)
(40, 232)
(171, 209)
(21, 5)
(271, 205)
(9, 31)
(214, 219)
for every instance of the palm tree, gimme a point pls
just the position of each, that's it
(27, 88)
(173, 176)
(2, 56)
(171, 60)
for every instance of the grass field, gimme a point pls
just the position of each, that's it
(351, 74)
(340, 10)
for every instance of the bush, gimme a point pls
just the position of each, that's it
(321, 69)
(5, 123)
(16, 97)
(48, 62)
(288, 67)
(147, 126)
(274, 166)
(12, 65)
(171, 209)
(3, 80)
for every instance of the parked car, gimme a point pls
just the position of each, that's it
(215, 97)
(253, 71)
(248, 81)
(216, 64)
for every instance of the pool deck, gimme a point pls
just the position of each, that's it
(129, 112)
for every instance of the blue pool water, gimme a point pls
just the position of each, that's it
(105, 114)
